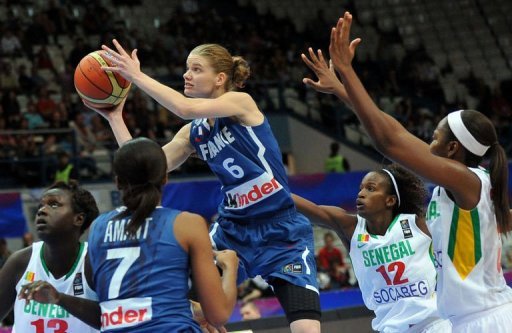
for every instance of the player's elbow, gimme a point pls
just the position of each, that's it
(219, 318)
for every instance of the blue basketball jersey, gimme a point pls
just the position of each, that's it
(141, 280)
(248, 163)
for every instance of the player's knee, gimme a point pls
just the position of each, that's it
(298, 303)
(305, 326)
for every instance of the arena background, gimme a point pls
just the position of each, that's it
(419, 59)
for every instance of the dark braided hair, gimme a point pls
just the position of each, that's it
(413, 194)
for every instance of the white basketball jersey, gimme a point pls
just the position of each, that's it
(396, 273)
(467, 249)
(41, 318)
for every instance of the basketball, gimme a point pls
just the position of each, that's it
(100, 88)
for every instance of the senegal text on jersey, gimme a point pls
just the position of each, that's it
(387, 254)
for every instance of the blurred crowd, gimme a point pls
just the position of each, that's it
(41, 44)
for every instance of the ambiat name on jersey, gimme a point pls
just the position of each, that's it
(115, 231)
(387, 254)
(211, 148)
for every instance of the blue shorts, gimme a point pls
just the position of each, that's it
(277, 247)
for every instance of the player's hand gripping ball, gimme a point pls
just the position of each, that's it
(100, 88)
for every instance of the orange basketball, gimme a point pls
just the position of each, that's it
(100, 88)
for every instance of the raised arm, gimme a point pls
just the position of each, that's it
(217, 296)
(114, 116)
(330, 217)
(327, 82)
(176, 151)
(388, 135)
(230, 104)
(179, 148)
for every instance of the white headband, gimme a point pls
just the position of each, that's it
(394, 184)
(462, 134)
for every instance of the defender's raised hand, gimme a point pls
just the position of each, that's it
(327, 82)
(341, 49)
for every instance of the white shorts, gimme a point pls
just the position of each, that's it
(435, 326)
(496, 320)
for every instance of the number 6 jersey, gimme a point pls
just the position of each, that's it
(35, 317)
(396, 274)
(248, 163)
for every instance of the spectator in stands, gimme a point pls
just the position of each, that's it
(65, 169)
(8, 78)
(336, 162)
(26, 83)
(45, 104)
(250, 311)
(34, 118)
(10, 44)
(330, 260)
(43, 60)
(58, 120)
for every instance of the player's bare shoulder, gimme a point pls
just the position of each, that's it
(251, 114)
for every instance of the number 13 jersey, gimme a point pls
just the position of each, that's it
(396, 273)
(36, 317)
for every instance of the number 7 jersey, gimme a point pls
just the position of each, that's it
(396, 273)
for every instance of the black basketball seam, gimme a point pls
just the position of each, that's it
(92, 82)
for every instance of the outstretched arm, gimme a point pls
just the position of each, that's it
(388, 135)
(230, 104)
(330, 217)
(176, 151)
(179, 149)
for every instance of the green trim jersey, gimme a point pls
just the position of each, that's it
(467, 250)
(35, 317)
(396, 274)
